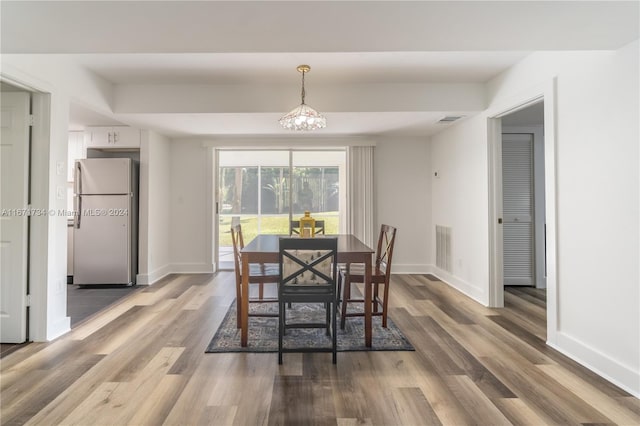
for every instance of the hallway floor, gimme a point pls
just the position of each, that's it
(83, 302)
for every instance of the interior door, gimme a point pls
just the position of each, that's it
(14, 161)
(518, 201)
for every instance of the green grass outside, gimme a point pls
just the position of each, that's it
(269, 225)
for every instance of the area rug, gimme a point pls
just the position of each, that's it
(263, 332)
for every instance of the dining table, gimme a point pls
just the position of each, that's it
(264, 248)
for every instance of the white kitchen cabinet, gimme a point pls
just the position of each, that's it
(112, 137)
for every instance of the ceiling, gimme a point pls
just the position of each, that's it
(199, 68)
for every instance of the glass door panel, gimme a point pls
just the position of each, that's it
(317, 186)
(274, 200)
(237, 188)
(251, 187)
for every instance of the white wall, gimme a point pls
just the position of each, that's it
(459, 201)
(403, 194)
(190, 214)
(155, 186)
(597, 188)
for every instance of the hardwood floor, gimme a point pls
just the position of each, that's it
(142, 362)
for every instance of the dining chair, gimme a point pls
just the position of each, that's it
(294, 227)
(259, 273)
(380, 275)
(308, 274)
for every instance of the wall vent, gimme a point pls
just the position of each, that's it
(443, 248)
(450, 119)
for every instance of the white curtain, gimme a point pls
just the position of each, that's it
(360, 194)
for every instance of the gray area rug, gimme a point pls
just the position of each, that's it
(263, 331)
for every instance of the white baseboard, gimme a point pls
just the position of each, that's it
(477, 294)
(408, 268)
(610, 369)
(153, 277)
(192, 268)
(174, 268)
(58, 328)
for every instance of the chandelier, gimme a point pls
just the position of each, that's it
(303, 117)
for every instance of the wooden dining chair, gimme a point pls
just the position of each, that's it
(260, 274)
(380, 275)
(294, 227)
(308, 274)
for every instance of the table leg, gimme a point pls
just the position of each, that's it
(244, 302)
(367, 301)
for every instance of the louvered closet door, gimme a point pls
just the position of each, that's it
(517, 192)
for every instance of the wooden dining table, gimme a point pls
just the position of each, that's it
(265, 249)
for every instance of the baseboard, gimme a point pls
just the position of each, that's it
(408, 268)
(603, 365)
(153, 277)
(459, 284)
(58, 328)
(192, 268)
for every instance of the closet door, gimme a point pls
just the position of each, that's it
(517, 192)
(14, 223)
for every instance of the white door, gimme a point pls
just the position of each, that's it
(14, 163)
(517, 193)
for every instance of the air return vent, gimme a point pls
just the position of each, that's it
(450, 119)
(443, 248)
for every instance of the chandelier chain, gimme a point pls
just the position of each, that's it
(303, 92)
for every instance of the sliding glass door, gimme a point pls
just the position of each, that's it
(264, 190)
(316, 186)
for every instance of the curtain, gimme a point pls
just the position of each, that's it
(360, 193)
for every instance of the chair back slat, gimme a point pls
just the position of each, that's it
(294, 227)
(296, 263)
(308, 262)
(384, 252)
(238, 244)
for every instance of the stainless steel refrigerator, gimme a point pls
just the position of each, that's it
(105, 221)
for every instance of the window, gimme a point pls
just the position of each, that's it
(264, 190)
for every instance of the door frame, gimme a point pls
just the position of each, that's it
(544, 92)
(38, 327)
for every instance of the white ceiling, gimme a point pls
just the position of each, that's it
(249, 50)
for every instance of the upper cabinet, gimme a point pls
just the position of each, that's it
(112, 137)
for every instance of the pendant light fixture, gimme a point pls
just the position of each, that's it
(303, 117)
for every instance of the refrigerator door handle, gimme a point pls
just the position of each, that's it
(77, 201)
(77, 181)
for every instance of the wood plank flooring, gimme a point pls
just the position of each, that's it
(142, 362)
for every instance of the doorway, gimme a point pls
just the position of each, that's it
(543, 98)
(523, 197)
